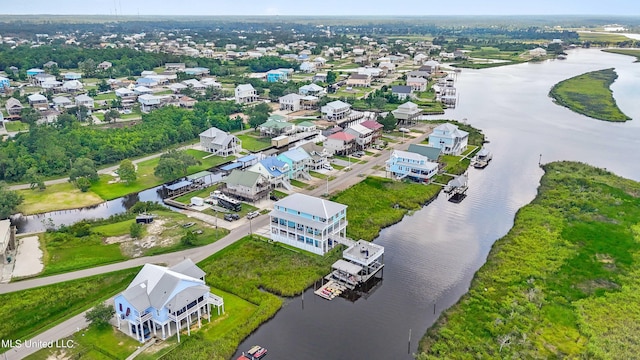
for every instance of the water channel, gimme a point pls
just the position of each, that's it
(432, 255)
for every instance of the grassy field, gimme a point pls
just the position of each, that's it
(56, 197)
(243, 269)
(28, 312)
(203, 193)
(16, 126)
(589, 94)
(380, 195)
(484, 65)
(628, 52)
(610, 38)
(573, 293)
(146, 178)
(253, 143)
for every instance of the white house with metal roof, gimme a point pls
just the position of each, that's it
(336, 110)
(219, 142)
(404, 164)
(308, 223)
(161, 299)
(245, 93)
(448, 138)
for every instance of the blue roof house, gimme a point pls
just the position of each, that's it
(4, 83)
(161, 299)
(298, 160)
(278, 75)
(34, 72)
(274, 169)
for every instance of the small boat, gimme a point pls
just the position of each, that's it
(257, 352)
(482, 158)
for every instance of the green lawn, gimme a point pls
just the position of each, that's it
(371, 204)
(56, 197)
(16, 126)
(604, 38)
(590, 94)
(254, 144)
(298, 183)
(146, 178)
(572, 294)
(628, 52)
(203, 193)
(318, 175)
(107, 96)
(28, 312)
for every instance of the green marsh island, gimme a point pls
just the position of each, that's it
(564, 282)
(590, 94)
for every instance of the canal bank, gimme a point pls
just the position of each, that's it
(431, 256)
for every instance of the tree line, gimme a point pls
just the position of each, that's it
(52, 149)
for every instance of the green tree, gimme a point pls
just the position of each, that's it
(135, 230)
(100, 315)
(83, 184)
(111, 115)
(88, 67)
(34, 178)
(259, 114)
(83, 168)
(92, 92)
(29, 116)
(127, 171)
(189, 239)
(388, 122)
(103, 86)
(116, 103)
(174, 164)
(331, 77)
(9, 201)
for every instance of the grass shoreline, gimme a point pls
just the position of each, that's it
(573, 292)
(590, 94)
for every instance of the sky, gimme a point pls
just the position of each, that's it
(324, 7)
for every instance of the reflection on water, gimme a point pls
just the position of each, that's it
(431, 256)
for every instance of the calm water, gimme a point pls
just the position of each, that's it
(432, 255)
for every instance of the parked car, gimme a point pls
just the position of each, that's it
(327, 167)
(189, 224)
(404, 130)
(197, 232)
(273, 197)
(356, 155)
(253, 214)
(229, 217)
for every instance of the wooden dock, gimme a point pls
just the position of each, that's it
(330, 290)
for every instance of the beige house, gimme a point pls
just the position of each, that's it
(359, 80)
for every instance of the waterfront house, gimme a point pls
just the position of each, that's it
(404, 164)
(297, 159)
(538, 52)
(38, 101)
(308, 223)
(449, 139)
(274, 169)
(430, 66)
(219, 142)
(336, 110)
(246, 185)
(13, 106)
(406, 112)
(245, 93)
(340, 143)
(7, 239)
(161, 299)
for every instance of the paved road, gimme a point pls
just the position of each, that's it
(68, 327)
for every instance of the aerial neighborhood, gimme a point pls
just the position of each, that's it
(208, 175)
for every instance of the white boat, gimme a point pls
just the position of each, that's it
(482, 158)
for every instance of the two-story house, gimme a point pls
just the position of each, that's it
(291, 102)
(404, 164)
(246, 185)
(336, 110)
(362, 134)
(14, 107)
(274, 170)
(160, 298)
(297, 159)
(149, 102)
(309, 223)
(38, 101)
(245, 94)
(417, 83)
(219, 142)
(449, 139)
(359, 80)
(340, 143)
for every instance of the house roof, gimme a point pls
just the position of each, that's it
(142, 89)
(247, 158)
(417, 80)
(245, 87)
(311, 87)
(359, 76)
(274, 124)
(83, 97)
(372, 124)
(242, 178)
(61, 100)
(291, 97)
(337, 104)
(72, 84)
(179, 184)
(401, 89)
(311, 205)
(408, 106)
(273, 165)
(306, 124)
(36, 97)
(219, 137)
(189, 268)
(341, 136)
(154, 285)
(430, 152)
(358, 128)
(13, 102)
(295, 155)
